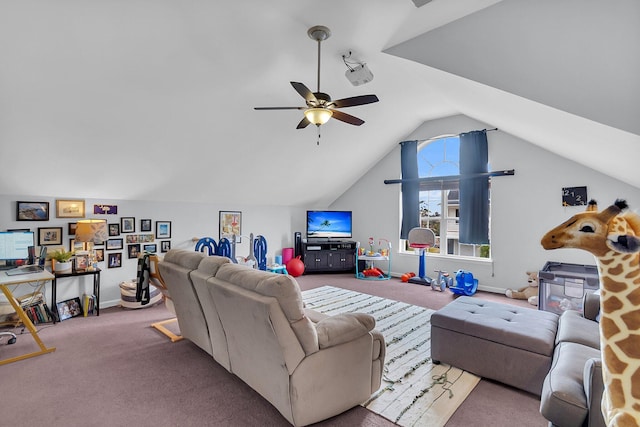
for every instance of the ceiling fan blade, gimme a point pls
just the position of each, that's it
(355, 100)
(347, 118)
(303, 123)
(279, 108)
(305, 92)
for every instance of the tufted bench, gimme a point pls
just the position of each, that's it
(506, 343)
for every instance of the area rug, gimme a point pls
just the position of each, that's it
(414, 391)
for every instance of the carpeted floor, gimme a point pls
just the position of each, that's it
(115, 370)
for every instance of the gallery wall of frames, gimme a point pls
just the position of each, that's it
(128, 236)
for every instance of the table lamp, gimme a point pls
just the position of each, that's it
(91, 231)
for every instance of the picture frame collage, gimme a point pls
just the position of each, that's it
(120, 231)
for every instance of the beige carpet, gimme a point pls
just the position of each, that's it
(414, 391)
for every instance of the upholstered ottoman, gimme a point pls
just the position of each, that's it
(506, 343)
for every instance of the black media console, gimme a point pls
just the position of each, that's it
(329, 256)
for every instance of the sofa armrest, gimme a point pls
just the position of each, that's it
(591, 306)
(343, 328)
(593, 388)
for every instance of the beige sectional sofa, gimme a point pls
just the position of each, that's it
(308, 365)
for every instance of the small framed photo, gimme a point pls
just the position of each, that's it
(99, 255)
(163, 229)
(152, 248)
(82, 262)
(165, 246)
(127, 224)
(133, 250)
(69, 308)
(114, 229)
(32, 211)
(115, 260)
(113, 244)
(72, 228)
(69, 208)
(49, 236)
(77, 246)
(230, 225)
(145, 225)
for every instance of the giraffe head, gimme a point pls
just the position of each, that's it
(597, 232)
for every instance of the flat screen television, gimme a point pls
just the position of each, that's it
(14, 245)
(329, 225)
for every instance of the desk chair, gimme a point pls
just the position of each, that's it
(421, 238)
(156, 280)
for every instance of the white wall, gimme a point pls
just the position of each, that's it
(188, 220)
(523, 206)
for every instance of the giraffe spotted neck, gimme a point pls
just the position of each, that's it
(612, 237)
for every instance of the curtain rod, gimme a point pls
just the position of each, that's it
(440, 137)
(507, 172)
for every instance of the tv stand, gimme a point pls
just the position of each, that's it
(329, 256)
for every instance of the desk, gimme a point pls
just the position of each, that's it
(14, 281)
(96, 288)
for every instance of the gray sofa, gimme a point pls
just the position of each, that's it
(572, 390)
(308, 365)
(555, 357)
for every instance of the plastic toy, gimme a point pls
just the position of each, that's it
(443, 282)
(260, 250)
(421, 238)
(406, 276)
(465, 283)
(295, 266)
(207, 244)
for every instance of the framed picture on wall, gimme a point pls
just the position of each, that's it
(113, 244)
(163, 229)
(145, 225)
(152, 248)
(32, 211)
(165, 246)
(114, 229)
(72, 228)
(49, 236)
(115, 260)
(99, 255)
(230, 225)
(127, 224)
(69, 208)
(133, 250)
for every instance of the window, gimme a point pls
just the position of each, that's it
(439, 199)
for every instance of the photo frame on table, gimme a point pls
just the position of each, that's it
(113, 244)
(230, 224)
(145, 225)
(133, 250)
(114, 229)
(32, 211)
(69, 208)
(115, 260)
(81, 262)
(127, 224)
(165, 246)
(49, 236)
(69, 308)
(163, 229)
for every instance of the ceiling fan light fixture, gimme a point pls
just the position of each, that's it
(318, 115)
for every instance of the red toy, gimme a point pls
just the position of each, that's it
(295, 267)
(406, 276)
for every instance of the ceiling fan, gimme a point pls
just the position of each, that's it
(320, 108)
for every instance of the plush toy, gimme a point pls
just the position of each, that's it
(529, 292)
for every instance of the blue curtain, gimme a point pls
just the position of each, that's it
(410, 187)
(474, 189)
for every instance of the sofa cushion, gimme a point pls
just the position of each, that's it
(572, 327)
(563, 400)
(282, 287)
(343, 328)
(187, 259)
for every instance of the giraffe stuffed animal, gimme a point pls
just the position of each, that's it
(613, 238)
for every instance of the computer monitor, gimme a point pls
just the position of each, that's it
(14, 245)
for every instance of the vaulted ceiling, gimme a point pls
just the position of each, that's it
(153, 99)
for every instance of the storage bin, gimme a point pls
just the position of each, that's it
(562, 286)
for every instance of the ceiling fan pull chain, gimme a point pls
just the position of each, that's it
(318, 142)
